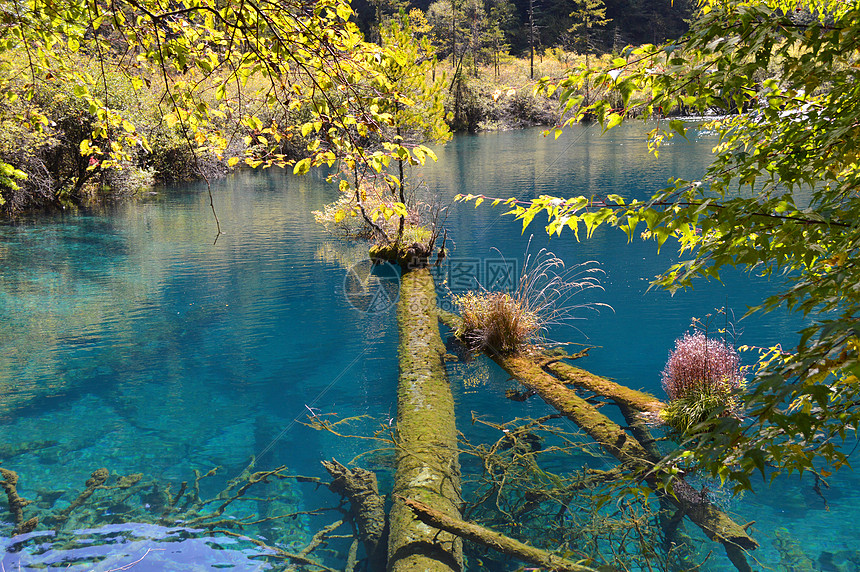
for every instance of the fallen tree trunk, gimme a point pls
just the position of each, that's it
(713, 522)
(16, 503)
(368, 507)
(427, 466)
(494, 540)
(624, 447)
(623, 396)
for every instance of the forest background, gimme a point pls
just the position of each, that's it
(482, 55)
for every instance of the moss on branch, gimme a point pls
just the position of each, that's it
(624, 447)
(492, 539)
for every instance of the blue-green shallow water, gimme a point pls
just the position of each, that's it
(135, 344)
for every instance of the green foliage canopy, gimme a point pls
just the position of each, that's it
(266, 72)
(782, 195)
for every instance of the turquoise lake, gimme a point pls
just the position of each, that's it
(129, 341)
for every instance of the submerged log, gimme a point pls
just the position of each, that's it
(427, 466)
(368, 506)
(16, 502)
(97, 479)
(492, 539)
(615, 440)
(624, 447)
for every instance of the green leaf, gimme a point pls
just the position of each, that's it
(678, 127)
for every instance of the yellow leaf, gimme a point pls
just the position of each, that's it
(302, 167)
(344, 11)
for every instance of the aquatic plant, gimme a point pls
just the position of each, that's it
(506, 322)
(701, 378)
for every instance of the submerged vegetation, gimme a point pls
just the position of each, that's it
(72, 518)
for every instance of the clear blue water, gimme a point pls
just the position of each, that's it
(129, 341)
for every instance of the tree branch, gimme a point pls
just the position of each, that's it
(491, 539)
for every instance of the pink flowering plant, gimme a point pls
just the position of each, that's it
(701, 378)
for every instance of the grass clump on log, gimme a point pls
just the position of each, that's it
(505, 323)
(495, 320)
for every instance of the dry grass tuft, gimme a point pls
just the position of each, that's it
(506, 323)
(495, 320)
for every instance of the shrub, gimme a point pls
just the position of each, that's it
(129, 180)
(343, 217)
(701, 378)
(44, 126)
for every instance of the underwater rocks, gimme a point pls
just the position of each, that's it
(9, 450)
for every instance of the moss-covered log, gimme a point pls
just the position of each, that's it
(427, 466)
(626, 448)
(494, 540)
(615, 440)
(414, 255)
(623, 396)
(97, 479)
(630, 402)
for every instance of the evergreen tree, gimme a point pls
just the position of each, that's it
(588, 16)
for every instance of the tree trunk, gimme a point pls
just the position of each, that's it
(427, 466)
(621, 395)
(616, 441)
(624, 447)
(368, 507)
